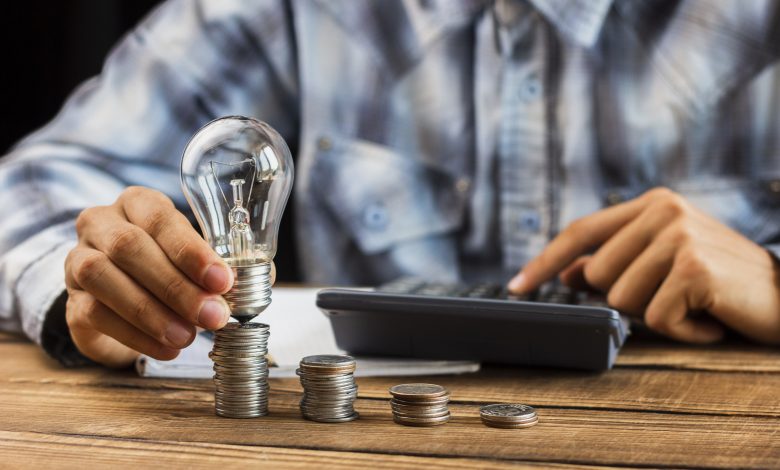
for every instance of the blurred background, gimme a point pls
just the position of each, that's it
(50, 47)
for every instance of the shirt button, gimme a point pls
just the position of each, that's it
(375, 216)
(324, 144)
(531, 89)
(463, 185)
(529, 222)
(774, 186)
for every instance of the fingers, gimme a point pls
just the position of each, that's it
(90, 270)
(635, 287)
(154, 213)
(617, 253)
(134, 251)
(577, 239)
(574, 274)
(105, 337)
(668, 311)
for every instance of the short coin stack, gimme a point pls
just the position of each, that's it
(508, 416)
(329, 389)
(420, 404)
(241, 370)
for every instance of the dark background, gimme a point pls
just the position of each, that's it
(51, 46)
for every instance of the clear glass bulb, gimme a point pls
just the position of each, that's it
(237, 174)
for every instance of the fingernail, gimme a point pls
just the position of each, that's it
(516, 283)
(212, 315)
(165, 353)
(218, 278)
(178, 335)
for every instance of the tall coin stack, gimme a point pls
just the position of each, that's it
(329, 389)
(420, 404)
(241, 370)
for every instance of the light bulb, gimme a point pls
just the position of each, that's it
(237, 173)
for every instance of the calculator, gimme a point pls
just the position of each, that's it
(551, 327)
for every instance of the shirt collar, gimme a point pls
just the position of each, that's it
(579, 20)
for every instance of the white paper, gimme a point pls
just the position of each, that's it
(298, 329)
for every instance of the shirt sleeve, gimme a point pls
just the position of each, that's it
(188, 62)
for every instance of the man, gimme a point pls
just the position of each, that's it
(437, 138)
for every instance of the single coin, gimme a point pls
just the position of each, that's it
(440, 401)
(415, 410)
(494, 424)
(417, 391)
(438, 414)
(507, 411)
(328, 361)
(421, 421)
(344, 419)
(241, 327)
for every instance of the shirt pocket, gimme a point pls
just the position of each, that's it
(381, 197)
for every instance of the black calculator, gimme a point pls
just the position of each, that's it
(552, 327)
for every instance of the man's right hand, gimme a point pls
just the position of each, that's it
(140, 280)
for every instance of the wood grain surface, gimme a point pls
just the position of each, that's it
(664, 406)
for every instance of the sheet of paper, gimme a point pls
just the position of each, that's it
(298, 329)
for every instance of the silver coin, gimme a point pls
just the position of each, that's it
(432, 402)
(345, 419)
(325, 379)
(420, 411)
(248, 375)
(418, 391)
(440, 414)
(335, 380)
(328, 361)
(328, 413)
(235, 327)
(237, 356)
(421, 421)
(328, 386)
(239, 344)
(331, 390)
(329, 396)
(231, 370)
(327, 404)
(237, 415)
(526, 424)
(507, 412)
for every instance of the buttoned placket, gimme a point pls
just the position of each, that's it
(523, 140)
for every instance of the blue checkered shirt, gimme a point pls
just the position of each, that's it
(439, 138)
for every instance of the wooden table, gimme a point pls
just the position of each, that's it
(664, 405)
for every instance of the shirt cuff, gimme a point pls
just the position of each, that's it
(41, 296)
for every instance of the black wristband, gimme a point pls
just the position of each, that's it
(55, 336)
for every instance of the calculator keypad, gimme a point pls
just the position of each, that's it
(552, 293)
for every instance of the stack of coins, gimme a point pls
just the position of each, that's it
(241, 370)
(329, 389)
(508, 416)
(420, 404)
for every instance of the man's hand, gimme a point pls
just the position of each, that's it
(659, 256)
(140, 280)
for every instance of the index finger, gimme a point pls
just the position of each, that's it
(577, 239)
(189, 252)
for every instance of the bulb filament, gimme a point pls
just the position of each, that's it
(241, 238)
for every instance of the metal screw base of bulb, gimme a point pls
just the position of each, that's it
(251, 292)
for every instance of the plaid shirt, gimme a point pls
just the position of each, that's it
(436, 138)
